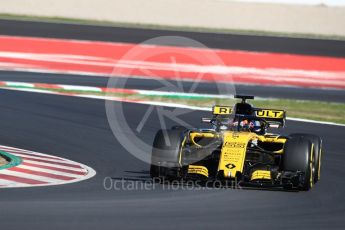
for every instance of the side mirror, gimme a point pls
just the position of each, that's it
(206, 120)
(273, 125)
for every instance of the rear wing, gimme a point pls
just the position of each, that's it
(275, 118)
(221, 110)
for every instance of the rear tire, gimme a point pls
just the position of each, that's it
(316, 140)
(298, 156)
(165, 158)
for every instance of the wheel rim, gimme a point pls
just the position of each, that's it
(311, 166)
(319, 166)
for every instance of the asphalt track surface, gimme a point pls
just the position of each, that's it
(78, 129)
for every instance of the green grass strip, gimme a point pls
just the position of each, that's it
(305, 109)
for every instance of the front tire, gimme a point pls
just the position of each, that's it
(298, 157)
(165, 158)
(316, 140)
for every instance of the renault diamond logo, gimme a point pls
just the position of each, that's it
(230, 166)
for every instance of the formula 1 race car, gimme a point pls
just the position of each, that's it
(239, 148)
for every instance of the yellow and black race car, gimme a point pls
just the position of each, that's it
(239, 148)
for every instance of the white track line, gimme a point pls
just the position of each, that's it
(316, 122)
(30, 176)
(49, 171)
(33, 173)
(9, 183)
(42, 158)
(172, 105)
(35, 155)
(54, 165)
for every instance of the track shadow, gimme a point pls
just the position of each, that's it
(144, 177)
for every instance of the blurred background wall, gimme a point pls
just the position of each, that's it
(314, 17)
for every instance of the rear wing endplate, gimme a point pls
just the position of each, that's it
(273, 117)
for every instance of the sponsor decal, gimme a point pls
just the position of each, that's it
(268, 113)
(221, 110)
(230, 166)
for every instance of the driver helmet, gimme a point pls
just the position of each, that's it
(244, 124)
(255, 126)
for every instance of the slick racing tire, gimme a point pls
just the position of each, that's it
(316, 140)
(165, 158)
(298, 157)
